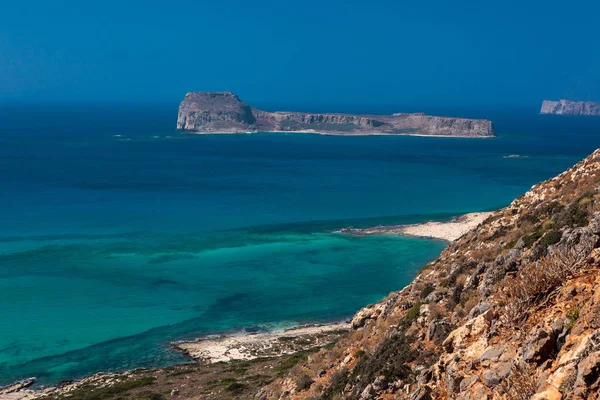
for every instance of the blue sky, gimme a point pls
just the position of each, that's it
(300, 52)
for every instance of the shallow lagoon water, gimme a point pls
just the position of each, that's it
(117, 239)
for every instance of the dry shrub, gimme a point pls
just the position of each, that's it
(537, 281)
(470, 299)
(436, 312)
(462, 279)
(303, 382)
(521, 384)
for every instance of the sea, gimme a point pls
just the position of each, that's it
(120, 235)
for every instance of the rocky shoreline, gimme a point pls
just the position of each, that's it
(270, 344)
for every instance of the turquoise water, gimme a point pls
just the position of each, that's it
(120, 235)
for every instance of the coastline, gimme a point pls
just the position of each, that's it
(447, 230)
(322, 133)
(244, 346)
(265, 347)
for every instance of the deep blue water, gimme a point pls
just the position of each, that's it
(120, 234)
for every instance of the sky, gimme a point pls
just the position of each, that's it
(336, 52)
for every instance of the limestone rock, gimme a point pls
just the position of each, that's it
(224, 112)
(370, 312)
(567, 107)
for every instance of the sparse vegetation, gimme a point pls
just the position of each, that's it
(550, 238)
(573, 316)
(427, 290)
(521, 384)
(359, 353)
(390, 360)
(235, 388)
(88, 392)
(538, 280)
(303, 382)
(336, 384)
(411, 315)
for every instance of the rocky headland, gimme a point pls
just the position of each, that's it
(224, 112)
(568, 107)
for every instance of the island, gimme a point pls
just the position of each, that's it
(224, 112)
(568, 107)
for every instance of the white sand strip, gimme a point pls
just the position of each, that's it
(247, 347)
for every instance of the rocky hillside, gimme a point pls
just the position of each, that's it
(511, 310)
(224, 112)
(567, 107)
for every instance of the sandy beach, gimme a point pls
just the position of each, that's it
(449, 231)
(250, 346)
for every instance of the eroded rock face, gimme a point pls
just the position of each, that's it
(224, 112)
(567, 107)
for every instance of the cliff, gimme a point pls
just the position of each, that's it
(567, 107)
(511, 310)
(224, 112)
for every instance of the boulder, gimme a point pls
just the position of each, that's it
(540, 347)
(490, 379)
(369, 312)
(422, 393)
(479, 309)
(439, 330)
(588, 370)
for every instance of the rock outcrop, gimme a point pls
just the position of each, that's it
(224, 112)
(510, 310)
(567, 107)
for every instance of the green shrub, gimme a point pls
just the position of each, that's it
(574, 216)
(411, 315)
(359, 353)
(553, 208)
(236, 388)
(391, 359)
(531, 238)
(510, 244)
(573, 316)
(427, 290)
(551, 237)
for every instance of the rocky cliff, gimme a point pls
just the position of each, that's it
(224, 112)
(511, 310)
(567, 107)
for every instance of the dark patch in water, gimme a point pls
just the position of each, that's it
(255, 329)
(170, 257)
(165, 282)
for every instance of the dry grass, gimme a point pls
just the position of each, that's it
(521, 384)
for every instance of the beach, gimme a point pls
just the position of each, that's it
(271, 344)
(448, 230)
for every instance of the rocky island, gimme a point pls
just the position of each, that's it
(568, 107)
(224, 112)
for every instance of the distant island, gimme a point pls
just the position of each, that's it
(568, 107)
(224, 112)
